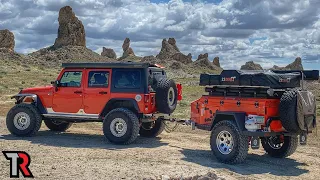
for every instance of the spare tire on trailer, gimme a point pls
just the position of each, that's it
(288, 111)
(166, 96)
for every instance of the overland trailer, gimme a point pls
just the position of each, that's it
(249, 108)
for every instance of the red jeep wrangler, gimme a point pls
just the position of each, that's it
(125, 96)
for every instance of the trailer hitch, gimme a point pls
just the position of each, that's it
(171, 124)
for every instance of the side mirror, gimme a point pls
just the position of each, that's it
(55, 84)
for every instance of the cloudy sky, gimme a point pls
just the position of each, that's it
(270, 32)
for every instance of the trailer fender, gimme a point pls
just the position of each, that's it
(238, 117)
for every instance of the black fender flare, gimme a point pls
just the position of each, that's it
(238, 117)
(109, 107)
(36, 101)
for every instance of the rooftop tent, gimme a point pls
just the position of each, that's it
(268, 78)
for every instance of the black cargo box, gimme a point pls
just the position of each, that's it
(269, 78)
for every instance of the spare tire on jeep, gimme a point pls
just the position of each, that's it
(166, 96)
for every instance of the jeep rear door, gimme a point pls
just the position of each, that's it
(96, 90)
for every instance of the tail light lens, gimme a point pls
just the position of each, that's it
(179, 88)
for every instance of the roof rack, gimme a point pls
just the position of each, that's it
(108, 65)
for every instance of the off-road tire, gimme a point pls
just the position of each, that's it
(132, 123)
(162, 96)
(241, 145)
(157, 128)
(61, 127)
(34, 115)
(289, 146)
(288, 111)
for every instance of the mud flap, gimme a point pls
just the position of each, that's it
(255, 142)
(306, 111)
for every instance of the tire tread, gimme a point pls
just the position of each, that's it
(37, 118)
(243, 144)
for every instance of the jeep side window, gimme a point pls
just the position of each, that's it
(127, 79)
(98, 79)
(71, 79)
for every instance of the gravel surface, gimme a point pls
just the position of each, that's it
(83, 153)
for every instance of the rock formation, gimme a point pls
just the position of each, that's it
(71, 30)
(108, 53)
(150, 59)
(203, 56)
(250, 65)
(203, 62)
(7, 42)
(216, 61)
(169, 50)
(295, 65)
(182, 58)
(127, 50)
(173, 42)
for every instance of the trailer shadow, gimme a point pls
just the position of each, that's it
(254, 164)
(75, 140)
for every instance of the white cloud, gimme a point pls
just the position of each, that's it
(281, 30)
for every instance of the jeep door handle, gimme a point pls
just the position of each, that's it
(78, 92)
(103, 92)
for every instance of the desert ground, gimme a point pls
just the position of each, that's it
(83, 153)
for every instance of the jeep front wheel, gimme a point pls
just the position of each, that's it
(23, 120)
(57, 125)
(227, 143)
(121, 126)
(152, 129)
(280, 146)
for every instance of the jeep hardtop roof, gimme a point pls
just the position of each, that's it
(109, 65)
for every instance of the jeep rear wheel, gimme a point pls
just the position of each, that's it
(152, 129)
(280, 146)
(23, 120)
(227, 144)
(121, 126)
(57, 125)
(166, 96)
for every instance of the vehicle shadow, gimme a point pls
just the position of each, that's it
(254, 164)
(75, 140)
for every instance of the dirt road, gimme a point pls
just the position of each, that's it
(83, 153)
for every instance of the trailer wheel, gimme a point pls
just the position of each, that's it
(152, 129)
(166, 96)
(280, 146)
(288, 110)
(227, 144)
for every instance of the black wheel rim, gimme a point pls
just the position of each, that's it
(274, 142)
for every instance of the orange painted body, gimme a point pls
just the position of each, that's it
(65, 100)
(204, 109)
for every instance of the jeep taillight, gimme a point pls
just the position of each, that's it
(179, 89)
